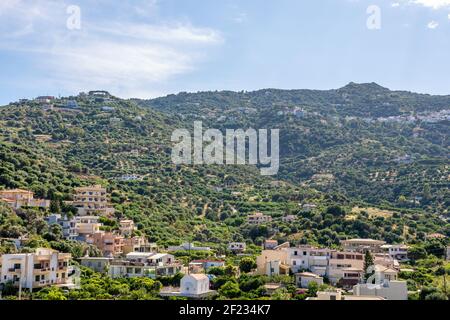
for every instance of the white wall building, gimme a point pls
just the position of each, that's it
(390, 290)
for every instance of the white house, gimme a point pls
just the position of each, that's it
(396, 251)
(390, 290)
(237, 247)
(194, 285)
(304, 279)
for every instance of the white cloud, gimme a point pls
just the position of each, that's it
(395, 5)
(125, 57)
(433, 25)
(435, 4)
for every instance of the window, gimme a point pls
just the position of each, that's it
(36, 279)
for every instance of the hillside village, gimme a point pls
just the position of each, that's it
(316, 273)
(91, 208)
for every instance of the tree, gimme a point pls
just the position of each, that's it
(416, 253)
(230, 290)
(247, 264)
(313, 287)
(368, 264)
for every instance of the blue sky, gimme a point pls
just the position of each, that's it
(149, 48)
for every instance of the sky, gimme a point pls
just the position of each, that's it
(151, 48)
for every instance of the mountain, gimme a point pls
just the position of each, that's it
(337, 152)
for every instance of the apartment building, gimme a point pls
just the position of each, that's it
(127, 227)
(258, 218)
(69, 226)
(363, 245)
(109, 243)
(93, 199)
(309, 258)
(273, 262)
(396, 251)
(145, 264)
(42, 268)
(86, 226)
(345, 267)
(17, 198)
(138, 244)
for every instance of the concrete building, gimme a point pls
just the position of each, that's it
(127, 227)
(309, 258)
(87, 226)
(109, 243)
(138, 244)
(273, 262)
(396, 251)
(92, 200)
(363, 245)
(42, 268)
(390, 290)
(69, 226)
(193, 286)
(98, 264)
(17, 198)
(345, 267)
(237, 247)
(258, 218)
(305, 278)
(270, 244)
(145, 264)
(186, 247)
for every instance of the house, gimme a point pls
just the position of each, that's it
(17, 198)
(237, 247)
(93, 199)
(206, 264)
(345, 267)
(272, 262)
(337, 295)
(186, 247)
(193, 286)
(98, 264)
(69, 226)
(383, 274)
(350, 277)
(386, 260)
(289, 218)
(309, 258)
(271, 288)
(305, 278)
(109, 243)
(308, 207)
(145, 264)
(72, 104)
(138, 244)
(42, 268)
(44, 99)
(258, 218)
(390, 290)
(86, 226)
(396, 251)
(362, 245)
(270, 244)
(126, 227)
